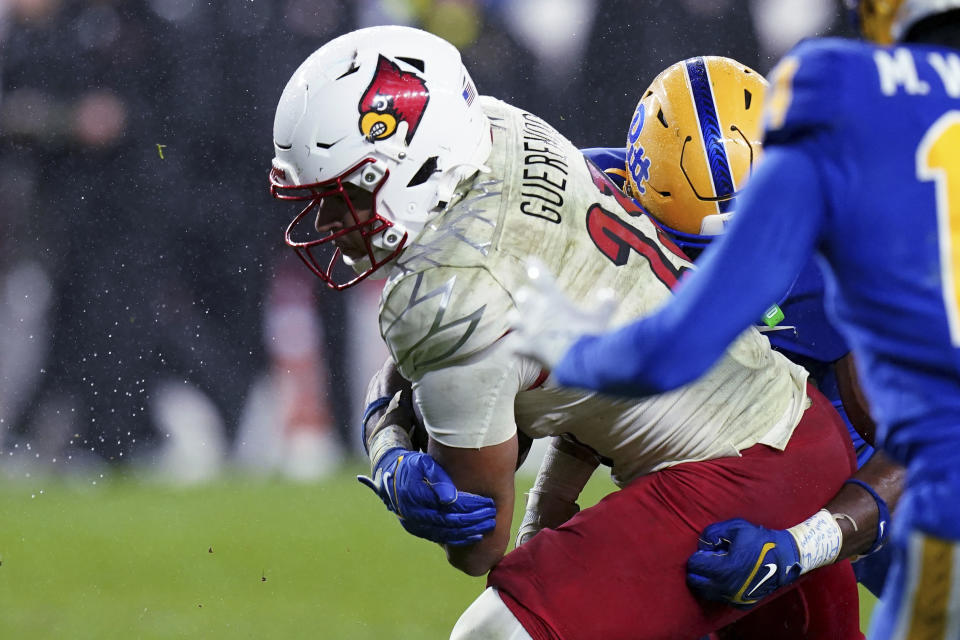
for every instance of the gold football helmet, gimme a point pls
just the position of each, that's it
(693, 141)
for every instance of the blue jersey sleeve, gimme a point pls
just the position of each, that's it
(806, 94)
(756, 261)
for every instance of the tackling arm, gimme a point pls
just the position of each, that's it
(855, 522)
(863, 520)
(860, 526)
(728, 565)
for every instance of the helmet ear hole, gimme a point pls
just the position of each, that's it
(414, 62)
(354, 67)
(424, 172)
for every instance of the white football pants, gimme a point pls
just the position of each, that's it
(488, 619)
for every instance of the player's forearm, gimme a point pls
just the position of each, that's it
(379, 435)
(487, 471)
(566, 468)
(564, 472)
(858, 507)
(856, 521)
(385, 382)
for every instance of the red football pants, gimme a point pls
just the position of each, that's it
(617, 570)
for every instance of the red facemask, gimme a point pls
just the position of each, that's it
(320, 254)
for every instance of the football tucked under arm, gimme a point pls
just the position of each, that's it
(411, 483)
(468, 411)
(389, 420)
(565, 470)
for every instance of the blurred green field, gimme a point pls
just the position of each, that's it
(122, 557)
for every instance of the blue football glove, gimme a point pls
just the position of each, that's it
(426, 501)
(740, 563)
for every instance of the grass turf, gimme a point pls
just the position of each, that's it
(123, 557)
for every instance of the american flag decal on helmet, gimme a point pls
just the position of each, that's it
(469, 93)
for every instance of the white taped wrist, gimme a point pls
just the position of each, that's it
(386, 438)
(819, 540)
(530, 524)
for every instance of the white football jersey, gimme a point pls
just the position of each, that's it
(444, 311)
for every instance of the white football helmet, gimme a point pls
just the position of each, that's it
(391, 110)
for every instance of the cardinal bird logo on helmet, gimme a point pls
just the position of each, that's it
(394, 96)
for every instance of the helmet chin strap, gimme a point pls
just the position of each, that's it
(362, 265)
(384, 243)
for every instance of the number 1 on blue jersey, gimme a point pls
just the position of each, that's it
(938, 160)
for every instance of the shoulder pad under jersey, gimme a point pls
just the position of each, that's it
(438, 317)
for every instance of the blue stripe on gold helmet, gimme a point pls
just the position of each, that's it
(710, 133)
(693, 141)
(888, 21)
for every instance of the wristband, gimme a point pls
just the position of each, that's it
(386, 439)
(818, 539)
(883, 515)
(373, 407)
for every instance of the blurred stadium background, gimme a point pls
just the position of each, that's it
(179, 398)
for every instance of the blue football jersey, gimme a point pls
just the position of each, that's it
(885, 125)
(862, 162)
